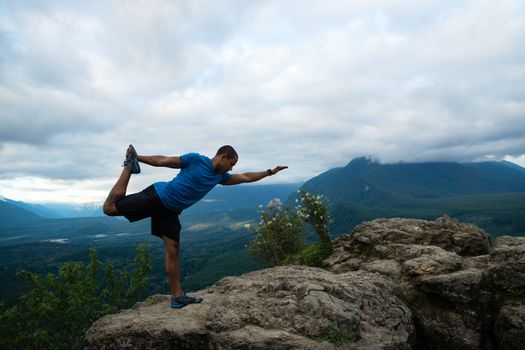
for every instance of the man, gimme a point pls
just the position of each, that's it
(164, 201)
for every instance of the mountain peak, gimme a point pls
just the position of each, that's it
(362, 161)
(393, 184)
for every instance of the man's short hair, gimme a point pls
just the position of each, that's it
(228, 150)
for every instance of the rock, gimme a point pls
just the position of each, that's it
(446, 233)
(456, 284)
(433, 261)
(389, 267)
(391, 284)
(510, 327)
(508, 264)
(446, 330)
(462, 286)
(291, 307)
(150, 327)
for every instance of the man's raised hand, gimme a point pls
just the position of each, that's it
(278, 168)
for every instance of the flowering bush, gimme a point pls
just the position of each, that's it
(278, 237)
(313, 211)
(278, 234)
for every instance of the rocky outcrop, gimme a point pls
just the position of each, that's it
(292, 307)
(391, 284)
(463, 292)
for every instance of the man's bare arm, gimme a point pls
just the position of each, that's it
(236, 179)
(161, 161)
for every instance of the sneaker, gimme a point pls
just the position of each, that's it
(184, 300)
(132, 161)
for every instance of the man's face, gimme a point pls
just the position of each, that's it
(226, 164)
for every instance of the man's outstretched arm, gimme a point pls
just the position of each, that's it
(236, 179)
(161, 161)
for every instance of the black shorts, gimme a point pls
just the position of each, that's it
(147, 204)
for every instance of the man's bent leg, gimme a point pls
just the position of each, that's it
(172, 265)
(117, 192)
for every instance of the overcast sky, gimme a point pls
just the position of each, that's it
(308, 84)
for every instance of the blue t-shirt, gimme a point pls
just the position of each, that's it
(196, 178)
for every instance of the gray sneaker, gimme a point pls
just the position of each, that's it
(132, 161)
(184, 300)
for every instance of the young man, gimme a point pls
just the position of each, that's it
(164, 201)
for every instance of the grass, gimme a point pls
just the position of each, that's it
(338, 338)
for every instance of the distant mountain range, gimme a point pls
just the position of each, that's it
(490, 194)
(220, 198)
(224, 206)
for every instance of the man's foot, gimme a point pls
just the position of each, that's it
(132, 161)
(184, 300)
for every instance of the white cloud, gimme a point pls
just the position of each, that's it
(305, 84)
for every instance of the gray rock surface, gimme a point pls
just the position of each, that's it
(393, 284)
(291, 307)
(457, 285)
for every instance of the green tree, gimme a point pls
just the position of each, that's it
(59, 308)
(278, 237)
(278, 234)
(313, 210)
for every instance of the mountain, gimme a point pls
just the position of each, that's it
(60, 210)
(11, 214)
(366, 182)
(488, 194)
(37, 209)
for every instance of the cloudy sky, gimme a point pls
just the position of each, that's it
(308, 84)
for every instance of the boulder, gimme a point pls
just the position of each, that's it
(456, 283)
(293, 307)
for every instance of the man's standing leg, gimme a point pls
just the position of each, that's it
(178, 297)
(172, 266)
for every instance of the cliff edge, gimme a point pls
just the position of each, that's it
(391, 284)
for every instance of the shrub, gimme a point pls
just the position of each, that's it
(313, 211)
(278, 237)
(278, 234)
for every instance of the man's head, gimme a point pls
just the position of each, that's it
(225, 159)
(228, 151)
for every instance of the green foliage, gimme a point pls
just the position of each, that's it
(278, 234)
(59, 308)
(278, 237)
(339, 338)
(314, 211)
(311, 256)
(150, 301)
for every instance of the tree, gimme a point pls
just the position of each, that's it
(278, 237)
(278, 234)
(59, 308)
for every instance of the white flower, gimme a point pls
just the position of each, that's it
(260, 205)
(247, 226)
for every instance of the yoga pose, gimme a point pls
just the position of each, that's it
(164, 201)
